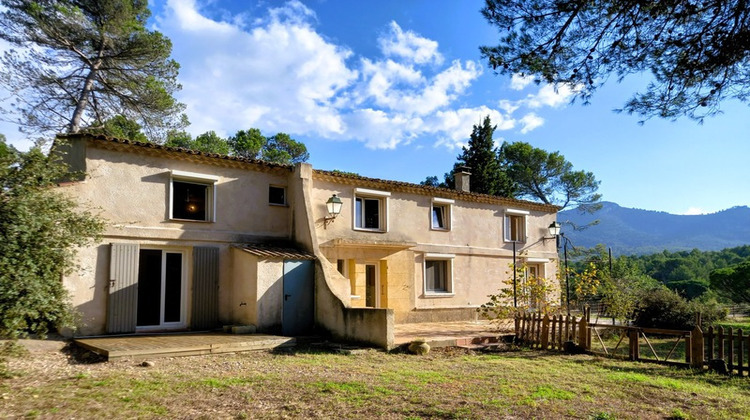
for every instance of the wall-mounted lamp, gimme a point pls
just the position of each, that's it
(554, 232)
(333, 205)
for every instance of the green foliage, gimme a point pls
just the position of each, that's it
(518, 170)
(284, 150)
(686, 272)
(247, 143)
(548, 177)
(696, 52)
(733, 282)
(532, 293)
(179, 138)
(120, 127)
(487, 176)
(77, 63)
(664, 308)
(40, 228)
(210, 142)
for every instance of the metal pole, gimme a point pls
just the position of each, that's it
(515, 301)
(567, 279)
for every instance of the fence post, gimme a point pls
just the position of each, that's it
(696, 348)
(545, 332)
(583, 328)
(633, 344)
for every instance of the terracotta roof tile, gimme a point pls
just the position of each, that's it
(353, 179)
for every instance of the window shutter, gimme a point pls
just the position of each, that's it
(205, 310)
(123, 288)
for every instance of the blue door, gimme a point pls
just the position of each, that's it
(297, 313)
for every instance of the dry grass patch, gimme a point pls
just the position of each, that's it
(310, 383)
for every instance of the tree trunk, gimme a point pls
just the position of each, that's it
(83, 99)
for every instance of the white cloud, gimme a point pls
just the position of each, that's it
(279, 74)
(530, 122)
(518, 82)
(409, 46)
(549, 95)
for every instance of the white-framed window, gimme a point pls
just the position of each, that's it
(192, 196)
(277, 195)
(440, 214)
(370, 210)
(438, 274)
(515, 225)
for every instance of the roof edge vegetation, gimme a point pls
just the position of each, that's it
(175, 152)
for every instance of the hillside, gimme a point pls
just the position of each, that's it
(634, 231)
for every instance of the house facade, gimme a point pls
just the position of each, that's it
(197, 241)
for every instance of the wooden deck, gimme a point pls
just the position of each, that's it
(188, 344)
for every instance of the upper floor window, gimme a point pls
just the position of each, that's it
(515, 225)
(370, 209)
(277, 195)
(192, 196)
(441, 214)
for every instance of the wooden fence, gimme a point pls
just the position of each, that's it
(723, 350)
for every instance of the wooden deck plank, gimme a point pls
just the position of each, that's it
(181, 345)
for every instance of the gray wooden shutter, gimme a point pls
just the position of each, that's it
(205, 311)
(123, 288)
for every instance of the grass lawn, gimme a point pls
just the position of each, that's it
(736, 323)
(310, 383)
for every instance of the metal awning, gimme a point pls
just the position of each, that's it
(268, 251)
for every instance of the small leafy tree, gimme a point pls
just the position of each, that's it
(40, 229)
(532, 293)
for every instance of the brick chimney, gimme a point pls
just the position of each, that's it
(461, 178)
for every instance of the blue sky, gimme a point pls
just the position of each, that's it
(391, 89)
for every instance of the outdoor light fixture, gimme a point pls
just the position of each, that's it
(333, 205)
(554, 229)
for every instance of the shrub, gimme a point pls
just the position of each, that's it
(664, 308)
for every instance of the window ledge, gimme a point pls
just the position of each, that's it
(191, 221)
(278, 205)
(356, 297)
(440, 229)
(439, 294)
(369, 230)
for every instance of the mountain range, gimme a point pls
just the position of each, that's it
(633, 231)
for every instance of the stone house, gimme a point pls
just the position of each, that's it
(196, 241)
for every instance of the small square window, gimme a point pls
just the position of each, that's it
(370, 210)
(277, 195)
(440, 215)
(368, 213)
(440, 218)
(192, 196)
(190, 201)
(515, 228)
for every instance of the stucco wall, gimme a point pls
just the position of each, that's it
(474, 244)
(131, 187)
(133, 192)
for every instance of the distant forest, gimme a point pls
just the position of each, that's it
(687, 272)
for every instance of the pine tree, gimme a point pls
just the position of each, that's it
(77, 63)
(487, 177)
